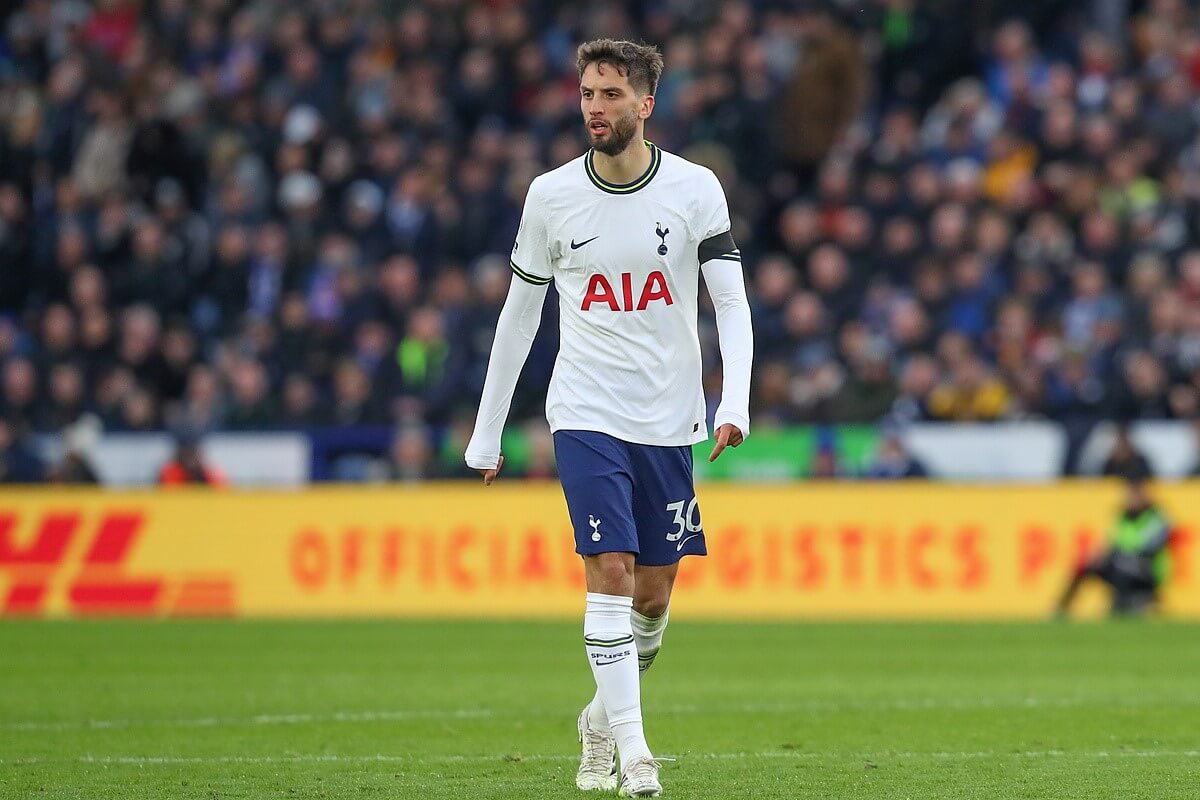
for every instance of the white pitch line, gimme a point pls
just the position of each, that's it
(899, 704)
(460, 713)
(403, 715)
(258, 719)
(321, 758)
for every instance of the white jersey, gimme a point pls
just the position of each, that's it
(625, 260)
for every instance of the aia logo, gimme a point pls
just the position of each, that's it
(600, 291)
(91, 561)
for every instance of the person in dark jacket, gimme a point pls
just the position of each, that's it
(79, 440)
(823, 94)
(1137, 561)
(1125, 457)
(893, 461)
(18, 464)
(188, 465)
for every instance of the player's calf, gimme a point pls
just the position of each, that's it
(608, 640)
(648, 636)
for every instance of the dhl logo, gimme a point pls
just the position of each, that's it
(96, 584)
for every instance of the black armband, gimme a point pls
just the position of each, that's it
(720, 246)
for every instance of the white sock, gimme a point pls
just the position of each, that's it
(608, 638)
(648, 636)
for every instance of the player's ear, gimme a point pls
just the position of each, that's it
(647, 107)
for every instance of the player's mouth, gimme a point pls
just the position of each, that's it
(597, 127)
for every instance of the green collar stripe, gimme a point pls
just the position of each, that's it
(624, 188)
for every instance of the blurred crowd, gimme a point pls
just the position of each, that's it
(224, 215)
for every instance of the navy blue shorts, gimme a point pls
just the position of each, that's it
(629, 498)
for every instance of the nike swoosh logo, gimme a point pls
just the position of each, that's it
(679, 547)
(581, 244)
(606, 663)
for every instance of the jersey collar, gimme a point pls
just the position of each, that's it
(624, 188)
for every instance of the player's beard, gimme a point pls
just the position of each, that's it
(620, 133)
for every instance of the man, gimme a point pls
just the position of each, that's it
(18, 463)
(1125, 456)
(1137, 561)
(188, 465)
(624, 232)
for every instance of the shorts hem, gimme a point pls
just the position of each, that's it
(600, 550)
(677, 557)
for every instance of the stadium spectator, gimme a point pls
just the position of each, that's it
(250, 405)
(18, 464)
(826, 464)
(1195, 471)
(411, 458)
(20, 394)
(869, 391)
(203, 406)
(301, 405)
(822, 96)
(354, 401)
(188, 465)
(541, 465)
(65, 400)
(1125, 458)
(970, 393)
(209, 211)
(892, 460)
(75, 466)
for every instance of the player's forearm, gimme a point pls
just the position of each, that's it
(728, 291)
(515, 329)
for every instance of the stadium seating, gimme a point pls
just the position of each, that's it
(261, 216)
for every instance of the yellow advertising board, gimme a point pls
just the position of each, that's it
(796, 551)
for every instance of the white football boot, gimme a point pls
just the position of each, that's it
(598, 764)
(639, 778)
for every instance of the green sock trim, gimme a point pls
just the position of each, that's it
(588, 640)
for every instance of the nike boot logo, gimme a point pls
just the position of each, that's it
(581, 244)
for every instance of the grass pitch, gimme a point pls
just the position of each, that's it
(487, 710)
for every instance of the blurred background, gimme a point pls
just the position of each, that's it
(265, 242)
(262, 246)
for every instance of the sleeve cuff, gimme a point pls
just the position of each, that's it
(740, 421)
(481, 461)
(529, 277)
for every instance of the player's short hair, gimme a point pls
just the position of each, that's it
(641, 63)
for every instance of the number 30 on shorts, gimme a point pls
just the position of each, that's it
(688, 519)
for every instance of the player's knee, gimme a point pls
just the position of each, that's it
(653, 605)
(653, 592)
(610, 573)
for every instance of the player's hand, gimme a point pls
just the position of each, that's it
(727, 435)
(490, 475)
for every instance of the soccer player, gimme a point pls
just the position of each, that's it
(624, 232)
